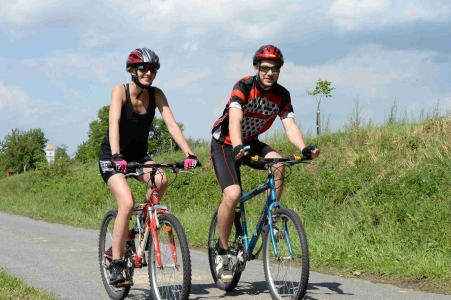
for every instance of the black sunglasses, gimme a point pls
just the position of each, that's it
(145, 69)
(265, 69)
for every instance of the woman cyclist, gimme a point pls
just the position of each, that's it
(132, 110)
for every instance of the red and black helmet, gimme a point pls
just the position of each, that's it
(268, 52)
(143, 56)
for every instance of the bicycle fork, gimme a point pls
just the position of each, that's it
(155, 225)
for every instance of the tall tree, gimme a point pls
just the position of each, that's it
(323, 89)
(88, 151)
(160, 140)
(23, 148)
(61, 153)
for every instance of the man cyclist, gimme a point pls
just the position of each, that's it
(253, 105)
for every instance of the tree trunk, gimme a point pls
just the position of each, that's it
(318, 121)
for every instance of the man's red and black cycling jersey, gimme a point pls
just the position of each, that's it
(259, 107)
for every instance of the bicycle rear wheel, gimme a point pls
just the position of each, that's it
(213, 247)
(287, 272)
(173, 279)
(106, 255)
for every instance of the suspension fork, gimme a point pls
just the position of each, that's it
(168, 229)
(153, 231)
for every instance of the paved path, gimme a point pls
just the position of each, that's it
(63, 259)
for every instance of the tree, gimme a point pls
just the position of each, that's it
(61, 153)
(160, 138)
(23, 148)
(322, 89)
(88, 151)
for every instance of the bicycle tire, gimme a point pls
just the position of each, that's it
(105, 243)
(287, 277)
(173, 281)
(213, 246)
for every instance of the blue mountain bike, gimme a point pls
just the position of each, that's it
(284, 241)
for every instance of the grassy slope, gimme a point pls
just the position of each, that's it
(13, 288)
(376, 202)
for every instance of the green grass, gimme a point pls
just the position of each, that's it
(376, 203)
(13, 288)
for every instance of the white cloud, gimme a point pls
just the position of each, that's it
(60, 67)
(367, 70)
(19, 12)
(358, 14)
(14, 102)
(37, 13)
(62, 123)
(263, 19)
(186, 78)
(192, 47)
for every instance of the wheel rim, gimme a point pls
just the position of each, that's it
(107, 249)
(169, 279)
(285, 271)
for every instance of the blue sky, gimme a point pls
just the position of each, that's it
(60, 59)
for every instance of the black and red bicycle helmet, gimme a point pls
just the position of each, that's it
(143, 56)
(268, 52)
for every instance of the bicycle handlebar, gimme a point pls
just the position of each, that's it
(133, 166)
(258, 159)
(295, 159)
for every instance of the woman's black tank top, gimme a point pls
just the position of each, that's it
(133, 128)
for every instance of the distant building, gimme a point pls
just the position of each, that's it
(10, 172)
(50, 153)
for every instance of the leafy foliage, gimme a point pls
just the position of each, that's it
(160, 138)
(22, 148)
(88, 151)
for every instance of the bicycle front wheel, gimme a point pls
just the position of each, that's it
(106, 256)
(171, 279)
(286, 261)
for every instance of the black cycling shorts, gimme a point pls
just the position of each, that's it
(226, 169)
(105, 159)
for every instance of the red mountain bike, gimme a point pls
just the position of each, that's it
(168, 258)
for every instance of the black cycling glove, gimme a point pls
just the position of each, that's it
(307, 151)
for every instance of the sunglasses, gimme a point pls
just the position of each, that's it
(265, 69)
(145, 69)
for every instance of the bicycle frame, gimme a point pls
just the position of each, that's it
(270, 204)
(151, 210)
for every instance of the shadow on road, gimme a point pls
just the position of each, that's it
(203, 291)
(319, 289)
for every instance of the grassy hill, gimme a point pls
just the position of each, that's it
(376, 203)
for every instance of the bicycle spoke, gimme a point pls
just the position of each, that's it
(286, 272)
(171, 279)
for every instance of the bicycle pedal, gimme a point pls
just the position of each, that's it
(123, 284)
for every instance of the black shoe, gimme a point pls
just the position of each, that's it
(116, 268)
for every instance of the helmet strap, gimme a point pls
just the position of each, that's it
(258, 73)
(143, 87)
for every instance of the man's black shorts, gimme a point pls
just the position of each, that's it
(226, 169)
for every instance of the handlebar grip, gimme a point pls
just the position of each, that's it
(297, 157)
(247, 148)
(255, 158)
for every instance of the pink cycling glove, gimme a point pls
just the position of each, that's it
(191, 162)
(119, 163)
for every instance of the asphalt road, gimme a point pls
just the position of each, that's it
(63, 259)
